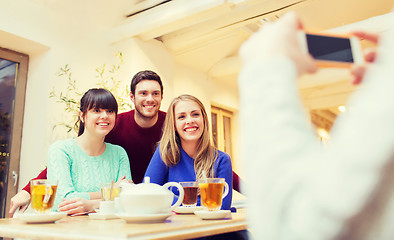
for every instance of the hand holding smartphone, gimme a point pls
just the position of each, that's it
(331, 50)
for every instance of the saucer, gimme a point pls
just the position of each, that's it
(188, 210)
(41, 218)
(204, 214)
(102, 216)
(145, 218)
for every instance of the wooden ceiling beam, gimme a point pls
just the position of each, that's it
(173, 12)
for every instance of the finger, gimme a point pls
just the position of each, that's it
(76, 211)
(69, 212)
(12, 209)
(370, 55)
(64, 203)
(366, 36)
(357, 72)
(64, 206)
(78, 214)
(68, 201)
(69, 209)
(23, 208)
(290, 21)
(356, 80)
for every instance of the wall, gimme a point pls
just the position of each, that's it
(210, 91)
(53, 34)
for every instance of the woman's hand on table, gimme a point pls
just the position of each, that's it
(76, 206)
(22, 200)
(123, 180)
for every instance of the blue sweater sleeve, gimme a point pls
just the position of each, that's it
(224, 170)
(157, 170)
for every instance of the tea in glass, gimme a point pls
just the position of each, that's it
(191, 192)
(211, 191)
(43, 193)
(107, 194)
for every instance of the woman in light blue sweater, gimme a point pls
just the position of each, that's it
(83, 164)
(185, 149)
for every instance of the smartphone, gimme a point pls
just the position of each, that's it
(331, 50)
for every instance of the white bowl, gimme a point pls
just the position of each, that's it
(41, 218)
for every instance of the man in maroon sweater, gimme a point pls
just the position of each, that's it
(137, 131)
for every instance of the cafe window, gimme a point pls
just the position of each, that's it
(221, 129)
(13, 76)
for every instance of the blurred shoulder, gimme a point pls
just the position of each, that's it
(63, 144)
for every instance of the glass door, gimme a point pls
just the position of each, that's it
(13, 75)
(8, 71)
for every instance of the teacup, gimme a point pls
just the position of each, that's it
(43, 193)
(107, 207)
(191, 193)
(211, 191)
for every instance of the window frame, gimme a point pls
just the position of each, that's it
(220, 113)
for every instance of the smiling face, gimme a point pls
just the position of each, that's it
(147, 98)
(189, 122)
(98, 121)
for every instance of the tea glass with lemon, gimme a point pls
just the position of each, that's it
(43, 193)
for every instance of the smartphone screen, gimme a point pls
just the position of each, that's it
(330, 48)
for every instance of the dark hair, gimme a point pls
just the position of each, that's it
(145, 75)
(96, 98)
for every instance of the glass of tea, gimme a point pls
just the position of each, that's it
(212, 191)
(191, 192)
(109, 191)
(43, 193)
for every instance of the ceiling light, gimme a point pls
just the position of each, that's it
(342, 108)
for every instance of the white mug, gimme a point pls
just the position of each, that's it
(107, 207)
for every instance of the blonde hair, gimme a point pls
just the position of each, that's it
(170, 143)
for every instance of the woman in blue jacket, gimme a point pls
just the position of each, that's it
(185, 149)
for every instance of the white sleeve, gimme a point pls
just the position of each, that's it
(296, 188)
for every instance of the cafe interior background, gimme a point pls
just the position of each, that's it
(192, 45)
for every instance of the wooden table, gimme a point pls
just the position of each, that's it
(82, 227)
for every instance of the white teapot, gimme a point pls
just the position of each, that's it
(149, 198)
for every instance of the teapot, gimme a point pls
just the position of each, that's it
(149, 198)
